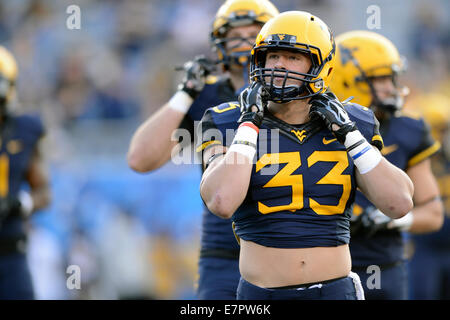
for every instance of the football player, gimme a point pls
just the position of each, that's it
(20, 163)
(291, 207)
(367, 68)
(234, 30)
(429, 268)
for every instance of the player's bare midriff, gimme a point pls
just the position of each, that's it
(275, 267)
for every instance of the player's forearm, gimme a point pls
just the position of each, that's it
(428, 217)
(39, 195)
(151, 145)
(225, 184)
(428, 212)
(388, 188)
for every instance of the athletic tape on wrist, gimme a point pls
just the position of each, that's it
(26, 202)
(244, 141)
(211, 159)
(364, 156)
(404, 223)
(180, 101)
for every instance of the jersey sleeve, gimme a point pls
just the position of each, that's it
(207, 132)
(426, 146)
(367, 124)
(215, 126)
(31, 127)
(34, 125)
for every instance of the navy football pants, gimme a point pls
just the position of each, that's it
(341, 289)
(393, 283)
(15, 278)
(218, 278)
(429, 271)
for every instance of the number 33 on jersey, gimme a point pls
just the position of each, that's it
(302, 174)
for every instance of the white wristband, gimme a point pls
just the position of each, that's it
(404, 223)
(180, 101)
(26, 202)
(244, 141)
(364, 156)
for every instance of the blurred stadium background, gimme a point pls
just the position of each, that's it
(137, 236)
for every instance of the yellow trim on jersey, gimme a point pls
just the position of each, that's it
(4, 174)
(235, 235)
(231, 107)
(389, 149)
(378, 138)
(206, 144)
(424, 154)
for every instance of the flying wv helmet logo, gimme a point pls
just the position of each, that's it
(282, 37)
(301, 135)
(346, 54)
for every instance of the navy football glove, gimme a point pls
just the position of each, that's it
(195, 75)
(328, 107)
(9, 206)
(369, 222)
(253, 101)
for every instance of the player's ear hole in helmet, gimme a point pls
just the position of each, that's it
(361, 58)
(299, 32)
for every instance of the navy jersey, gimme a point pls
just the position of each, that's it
(216, 233)
(302, 185)
(19, 137)
(407, 142)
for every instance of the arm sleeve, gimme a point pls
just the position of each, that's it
(367, 124)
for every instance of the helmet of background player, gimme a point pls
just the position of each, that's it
(236, 13)
(362, 56)
(8, 76)
(300, 32)
(435, 108)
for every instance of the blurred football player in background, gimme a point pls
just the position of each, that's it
(20, 163)
(234, 31)
(367, 69)
(292, 208)
(429, 271)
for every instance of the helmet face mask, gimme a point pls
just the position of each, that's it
(390, 104)
(6, 87)
(235, 14)
(298, 32)
(236, 45)
(8, 75)
(268, 76)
